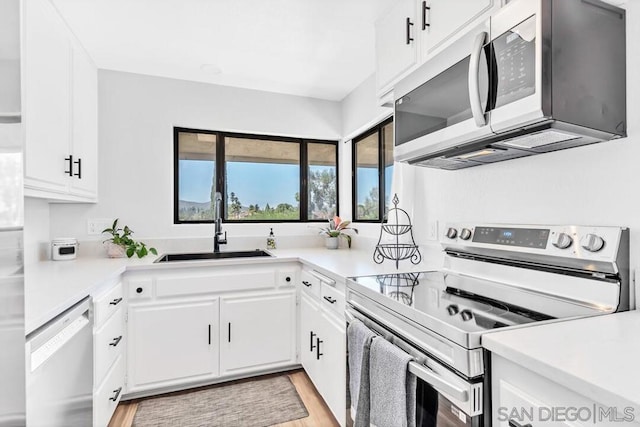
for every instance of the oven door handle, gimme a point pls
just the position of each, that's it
(439, 383)
(428, 375)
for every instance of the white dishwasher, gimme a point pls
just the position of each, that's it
(60, 370)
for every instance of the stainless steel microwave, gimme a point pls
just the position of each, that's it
(538, 76)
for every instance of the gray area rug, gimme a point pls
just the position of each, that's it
(255, 403)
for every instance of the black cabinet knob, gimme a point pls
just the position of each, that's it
(139, 290)
(288, 279)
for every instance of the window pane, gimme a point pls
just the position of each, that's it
(196, 175)
(262, 179)
(367, 183)
(387, 141)
(323, 196)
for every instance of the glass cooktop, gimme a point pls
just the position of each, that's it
(439, 296)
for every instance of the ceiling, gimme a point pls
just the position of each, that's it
(316, 48)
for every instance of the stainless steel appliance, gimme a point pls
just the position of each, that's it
(12, 379)
(539, 76)
(494, 277)
(60, 370)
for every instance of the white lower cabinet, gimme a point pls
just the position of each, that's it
(257, 331)
(323, 344)
(173, 342)
(109, 341)
(194, 326)
(520, 398)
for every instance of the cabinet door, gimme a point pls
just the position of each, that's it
(446, 19)
(257, 331)
(47, 61)
(309, 313)
(395, 52)
(333, 364)
(172, 342)
(84, 125)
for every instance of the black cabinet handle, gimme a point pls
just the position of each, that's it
(409, 25)
(70, 160)
(307, 284)
(287, 279)
(311, 346)
(331, 300)
(229, 331)
(116, 341)
(209, 334)
(514, 423)
(79, 173)
(425, 24)
(139, 290)
(117, 394)
(318, 354)
(115, 301)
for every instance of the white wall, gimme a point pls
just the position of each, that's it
(37, 235)
(136, 118)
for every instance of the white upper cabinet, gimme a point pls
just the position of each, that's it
(60, 93)
(396, 43)
(414, 30)
(84, 130)
(47, 87)
(440, 21)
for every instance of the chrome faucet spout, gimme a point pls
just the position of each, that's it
(217, 219)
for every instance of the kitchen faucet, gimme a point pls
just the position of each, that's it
(217, 236)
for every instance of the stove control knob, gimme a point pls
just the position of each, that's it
(465, 234)
(452, 309)
(563, 241)
(592, 242)
(466, 315)
(452, 233)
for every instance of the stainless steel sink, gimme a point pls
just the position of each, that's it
(212, 255)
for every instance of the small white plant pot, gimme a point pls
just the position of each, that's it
(115, 251)
(331, 242)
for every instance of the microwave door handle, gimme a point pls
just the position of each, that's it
(474, 79)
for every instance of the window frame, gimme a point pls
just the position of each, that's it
(220, 172)
(381, 175)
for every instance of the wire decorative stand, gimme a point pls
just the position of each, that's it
(397, 251)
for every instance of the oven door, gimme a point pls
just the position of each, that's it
(443, 398)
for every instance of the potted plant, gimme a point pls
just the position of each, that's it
(336, 229)
(120, 243)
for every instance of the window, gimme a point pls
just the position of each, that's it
(372, 172)
(261, 178)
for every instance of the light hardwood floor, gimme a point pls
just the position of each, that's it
(319, 414)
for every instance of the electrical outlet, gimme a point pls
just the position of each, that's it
(432, 230)
(96, 225)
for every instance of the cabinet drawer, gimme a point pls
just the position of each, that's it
(310, 283)
(108, 395)
(108, 303)
(108, 344)
(332, 299)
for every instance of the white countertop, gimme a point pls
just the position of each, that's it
(51, 287)
(597, 357)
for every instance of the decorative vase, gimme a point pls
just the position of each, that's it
(115, 251)
(331, 242)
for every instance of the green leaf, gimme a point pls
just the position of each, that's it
(153, 251)
(130, 251)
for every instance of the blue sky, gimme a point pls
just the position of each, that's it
(278, 182)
